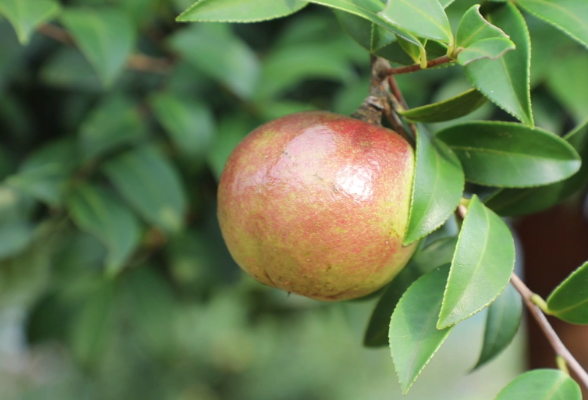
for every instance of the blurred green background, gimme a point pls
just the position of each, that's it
(114, 279)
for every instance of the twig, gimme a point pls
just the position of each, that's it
(554, 340)
(137, 62)
(416, 67)
(399, 103)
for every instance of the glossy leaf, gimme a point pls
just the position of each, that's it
(239, 10)
(26, 15)
(151, 185)
(528, 201)
(570, 16)
(435, 254)
(437, 188)
(510, 155)
(490, 49)
(453, 108)
(422, 18)
(544, 384)
(569, 301)
(105, 36)
(502, 324)
(505, 81)
(100, 213)
(482, 265)
(414, 338)
(15, 236)
(473, 28)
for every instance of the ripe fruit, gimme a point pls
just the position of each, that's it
(317, 203)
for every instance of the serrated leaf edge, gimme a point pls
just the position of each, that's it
(180, 18)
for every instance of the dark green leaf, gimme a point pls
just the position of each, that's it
(569, 301)
(68, 68)
(422, 18)
(151, 185)
(570, 16)
(507, 154)
(414, 339)
(502, 324)
(239, 10)
(473, 28)
(453, 108)
(435, 254)
(482, 265)
(105, 36)
(26, 15)
(369, 35)
(505, 81)
(490, 49)
(544, 384)
(438, 186)
(14, 237)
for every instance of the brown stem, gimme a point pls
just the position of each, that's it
(374, 105)
(399, 103)
(416, 67)
(554, 340)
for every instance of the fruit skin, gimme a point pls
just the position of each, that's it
(317, 204)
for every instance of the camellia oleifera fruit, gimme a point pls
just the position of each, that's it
(317, 203)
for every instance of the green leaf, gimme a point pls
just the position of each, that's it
(239, 10)
(566, 81)
(100, 213)
(473, 28)
(26, 15)
(106, 37)
(528, 201)
(453, 108)
(189, 124)
(569, 301)
(235, 67)
(570, 16)
(151, 185)
(437, 188)
(482, 265)
(505, 81)
(544, 384)
(502, 324)
(68, 68)
(15, 236)
(369, 35)
(507, 154)
(490, 49)
(422, 18)
(435, 254)
(414, 339)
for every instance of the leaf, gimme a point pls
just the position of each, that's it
(569, 301)
(15, 236)
(100, 213)
(106, 37)
(236, 66)
(482, 265)
(473, 28)
(490, 49)
(528, 201)
(566, 81)
(505, 81)
(151, 185)
(434, 255)
(422, 18)
(369, 35)
(453, 108)
(544, 384)
(507, 154)
(189, 124)
(26, 15)
(68, 68)
(414, 339)
(239, 10)
(438, 186)
(502, 324)
(570, 16)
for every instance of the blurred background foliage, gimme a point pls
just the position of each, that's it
(114, 279)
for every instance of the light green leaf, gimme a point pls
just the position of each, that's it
(570, 16)
(239, 10)
(482, 265)
(490, 49)
(544, 384)
(100, 213)
(473, 28)
(106, 37)
(15, 236)
(453, 108)
(505, 81)
(507, 154)
(26, 15)
(422, 18)
(502, 324)
(151, 185)
(437, 188)
(569, 301)
(567, 79)
(414, 339)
